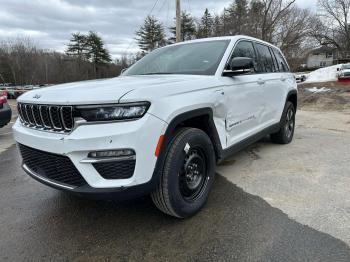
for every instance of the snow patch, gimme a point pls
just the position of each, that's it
(318, 90)
(326, 74)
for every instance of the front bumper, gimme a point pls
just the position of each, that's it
(120, 193)
(141, 136)
(5, 115)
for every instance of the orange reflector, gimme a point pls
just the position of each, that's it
(159, 145)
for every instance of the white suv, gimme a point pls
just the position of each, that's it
(162, 126)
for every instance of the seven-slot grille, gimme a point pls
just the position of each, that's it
(47, 117)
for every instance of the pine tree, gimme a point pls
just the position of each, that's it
(241, 14)
(151, 34)
(238, 13)
(206, 25)
(98, 54)
(225, 18)
(188, 28)
(256, 14)
(218, 26)
(78, 46)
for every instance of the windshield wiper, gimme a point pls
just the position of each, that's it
(159, 73)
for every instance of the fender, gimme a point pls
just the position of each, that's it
(293, 92)
(171, 130)
(290, 93)
(211, 131)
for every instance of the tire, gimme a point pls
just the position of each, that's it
(286, 132)
(187, 174)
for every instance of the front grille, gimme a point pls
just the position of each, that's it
(47, 117)
(57, 168)
(116, 170)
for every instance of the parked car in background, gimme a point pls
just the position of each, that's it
(344, 71)
(300, 77)
(5, 110)
(9, 90)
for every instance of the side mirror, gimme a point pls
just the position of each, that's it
(240, 65)
(338, 69)
(123, 70)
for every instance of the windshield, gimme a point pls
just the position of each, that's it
(346, 66)
(201, 58)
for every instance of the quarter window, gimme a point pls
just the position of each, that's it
(265, 61)
(282, 65)
(274, 60)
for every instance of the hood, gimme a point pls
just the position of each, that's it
(106, 90)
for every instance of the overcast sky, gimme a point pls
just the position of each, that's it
(50, 22)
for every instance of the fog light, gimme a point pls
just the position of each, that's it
(112, 153)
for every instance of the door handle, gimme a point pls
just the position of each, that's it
(261, 81)
(220, 91)
(283, 78)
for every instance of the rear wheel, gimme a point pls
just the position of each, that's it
(286, 132)
(187, 175)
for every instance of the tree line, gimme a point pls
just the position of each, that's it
(23, 63)
(281, 22)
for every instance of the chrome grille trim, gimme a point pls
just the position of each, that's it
(27, 112)
(37, 123)
(55, 114)
(65, 126)
(47, 117)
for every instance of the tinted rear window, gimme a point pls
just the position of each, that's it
(282, 64)
(265, 59)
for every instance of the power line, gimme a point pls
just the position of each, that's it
(153, 7)
(189, 6)
(161, 7)
(167, 14)
(150, 12)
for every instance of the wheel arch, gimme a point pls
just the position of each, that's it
(293, 98)
(201, 118)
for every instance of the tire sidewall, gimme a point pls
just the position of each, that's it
(195, 138)
(287, 139)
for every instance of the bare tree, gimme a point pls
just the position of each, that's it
(273, 11)
(334, 27)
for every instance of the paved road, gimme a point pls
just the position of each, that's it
(253, 214)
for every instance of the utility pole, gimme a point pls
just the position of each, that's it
(178, 22)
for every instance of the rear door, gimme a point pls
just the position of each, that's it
(243, 98)
(272, 86)
(287, 81)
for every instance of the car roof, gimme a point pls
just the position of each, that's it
(231, 38)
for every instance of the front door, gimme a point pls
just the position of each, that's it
(243, 99)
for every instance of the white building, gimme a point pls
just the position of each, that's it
(321, 57)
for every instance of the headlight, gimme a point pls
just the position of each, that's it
(113, 112)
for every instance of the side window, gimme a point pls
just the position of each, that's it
(282, 65)
(245, 49)
(274, 60)
(265, 60)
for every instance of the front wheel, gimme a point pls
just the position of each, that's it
(187, 175)
(286, 132)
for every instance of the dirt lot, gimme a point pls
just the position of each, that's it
(336, 98)
(269, 203)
